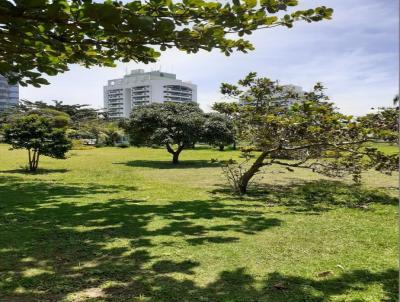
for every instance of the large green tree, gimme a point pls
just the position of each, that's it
(276, 123)
(173, 125)
(43, 36)
(41, 133)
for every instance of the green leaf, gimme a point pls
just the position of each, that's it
(166, 25)
(236, 2)
(250, 3)
(146, 22)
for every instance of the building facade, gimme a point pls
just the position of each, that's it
(9, 94)
(141, 88)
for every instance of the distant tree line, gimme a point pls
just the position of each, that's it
(53, 129)
(308, 132)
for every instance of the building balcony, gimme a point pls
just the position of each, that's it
(183, 95)
(139, 94)
(177, 88)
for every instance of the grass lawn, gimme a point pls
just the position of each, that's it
(115, 224)
(386, 147)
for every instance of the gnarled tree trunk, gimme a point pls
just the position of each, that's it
(248, 175)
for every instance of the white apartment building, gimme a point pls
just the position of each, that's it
(140, 88)
(9, 94)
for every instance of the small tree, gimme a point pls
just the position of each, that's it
(218, 130)
(40, 134)
(307, 128)
(166, 124)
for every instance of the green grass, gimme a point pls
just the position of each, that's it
(386, 147)
(115, 224)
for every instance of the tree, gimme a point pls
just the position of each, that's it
(166, 124)
(308, 128)
(218, 130)
(39, 133)
(229, 110)
(44, 36)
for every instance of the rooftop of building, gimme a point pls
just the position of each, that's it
(151, 74)
(139, 75)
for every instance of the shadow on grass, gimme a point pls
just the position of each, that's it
(237, 285)
(55, 249)
(58, 241)
(314, 196)
(37, 172)
(164, 164)
(157, 285)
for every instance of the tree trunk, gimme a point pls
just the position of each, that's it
(175, 154)
(234, 145)
(221, 147)
(37, 160)
(175, 158)
(33, 160)
(248, 175)
(30, 160)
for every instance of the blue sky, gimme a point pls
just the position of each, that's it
(355, 55)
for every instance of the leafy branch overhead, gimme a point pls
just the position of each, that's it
(43, 36)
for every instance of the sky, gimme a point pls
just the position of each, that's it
(355, 55)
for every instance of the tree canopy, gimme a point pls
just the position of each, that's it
(77, 112)
(309, 129)
(166, 124)
(218, 130)
(44, 36)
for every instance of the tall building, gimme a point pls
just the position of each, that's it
(8, 94)
(140, 88)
